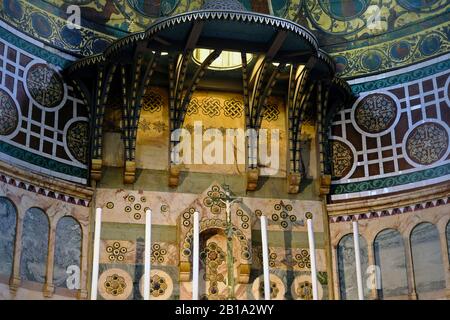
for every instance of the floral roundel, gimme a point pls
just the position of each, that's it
(376, 113)
(427, 143)
(342, 159)
(77, 138)
(45, 85)
(8, 114)
(115, 284)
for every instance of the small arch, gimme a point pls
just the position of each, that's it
(347, 269)
(429, 273)
(35, 235)
(67, 259)
(389, 254)
(8, 227)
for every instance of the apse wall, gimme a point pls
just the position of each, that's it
(390, 149)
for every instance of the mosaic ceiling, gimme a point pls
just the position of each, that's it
(364, 36)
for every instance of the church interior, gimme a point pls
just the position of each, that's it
(350, 99)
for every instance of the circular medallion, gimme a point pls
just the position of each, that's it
(344, 10)
(277, 289)
(9, 114)
(400, 50)
(430, 45)
(375, 113)
(301, 288)
(342, 159)
(45, 85)
(115, 284)
(13, 9)
(417, 5)
(77, 140)
(341, 63)
(427, 143)
(41, 25)
(161, 285)
(372, 60)
(71, 36)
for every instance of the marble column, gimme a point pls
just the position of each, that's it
(409, 269)
(49, 287)
(15, 280)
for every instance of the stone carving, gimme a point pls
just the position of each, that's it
(427, 143)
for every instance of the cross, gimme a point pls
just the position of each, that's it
(228, 200)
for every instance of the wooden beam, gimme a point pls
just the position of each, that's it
(276, 44)
(193, 37)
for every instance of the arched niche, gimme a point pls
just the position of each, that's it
(211, 227)
(429, 273)
(33, 258)
(67, 260)
(347, 267)
(8, 221)
(389, 251)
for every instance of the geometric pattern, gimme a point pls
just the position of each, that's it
(302, 259)
(43, 191)
(232, 5)
(427, 143)
(152, 102)
(213, 200)
(45, 85)
(375, 113)
(193, 107)
(8, 114)
(116, 252)
(212, 257)
(271, 112)
(342, 159)
(282, 214)
(158, 285)
(77, 140)
(211, 107)
(391, 211)
(233, 108)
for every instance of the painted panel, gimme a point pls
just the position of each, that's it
(66, 271)
(427, 258)
(8, 217)
(389, 253)
(33, 260)
(347, 267)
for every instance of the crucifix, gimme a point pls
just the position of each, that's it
(228, 200)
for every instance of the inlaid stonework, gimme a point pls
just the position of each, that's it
(8, 114)
(375, 113)
(45, 85)
(342, 159)
(427, 143)
(77, 139)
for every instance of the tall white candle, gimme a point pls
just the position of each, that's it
(195, 256)
(148, 252)
(96, 254)
(265, 252)
(358, 260)
(312, 256)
